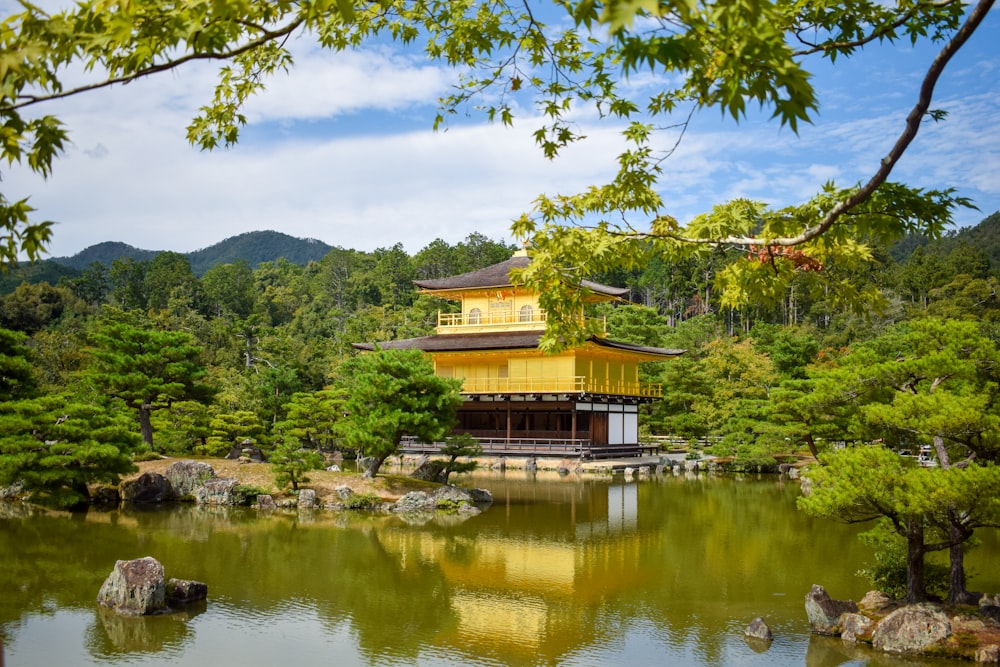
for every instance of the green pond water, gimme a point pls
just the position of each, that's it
(667, 571)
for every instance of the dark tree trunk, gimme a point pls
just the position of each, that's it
(812, 446)
(915, 587)
(957, 591)
(375, 465)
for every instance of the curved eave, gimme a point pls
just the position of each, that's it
(647, 353)
(484, 342)
(497, 277)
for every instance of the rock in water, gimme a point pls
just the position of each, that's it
(134, 587)
(182, 592)
(758, 630)
(825, 614)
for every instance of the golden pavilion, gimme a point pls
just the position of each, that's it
(519, 400)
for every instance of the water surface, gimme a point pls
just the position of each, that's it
(557, 572)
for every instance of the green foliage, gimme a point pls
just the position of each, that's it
(16, 377)
(146, 368)
(312, 417)
(888, 571)
(290, 462)
(246, 494)
(932, 509)
(58, 446)
(230, 429)
(392, 393)
(720, 55)
(30, 308)
(182, 427)
(456, 446)
(362, 501)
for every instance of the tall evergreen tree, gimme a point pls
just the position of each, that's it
(391, 394)
(146, 368)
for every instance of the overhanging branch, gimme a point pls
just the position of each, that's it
(913, 120)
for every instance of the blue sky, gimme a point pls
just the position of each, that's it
(342, 150)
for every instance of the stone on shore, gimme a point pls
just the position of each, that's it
(989, 654)
(443, 498)
(217, 491)
(876, 602)
(149, 487)
(134, 587)
(911, 629)
(307, 499)
(826, 614)
(186, 476)
(856, 627)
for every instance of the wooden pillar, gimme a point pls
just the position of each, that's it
(508, 421)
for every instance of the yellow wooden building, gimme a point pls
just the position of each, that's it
(519, 400)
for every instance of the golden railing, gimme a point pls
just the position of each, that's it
(502, 319)
(578, 384)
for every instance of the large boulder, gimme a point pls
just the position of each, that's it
(217, 491)
(826, 614)
(443, 498)
(911, 629)
(414, 501)
(134, 587)
(307, 499)
(186, 476)
(856, 627)
(149, 487)
(876, 602)
(481, 496)
(989, 654)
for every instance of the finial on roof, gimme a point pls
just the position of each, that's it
(522, 252)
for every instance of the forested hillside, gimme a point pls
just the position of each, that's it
(255, 248)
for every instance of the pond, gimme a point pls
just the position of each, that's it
(557, 572)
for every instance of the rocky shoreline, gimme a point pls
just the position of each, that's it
(197, 481)
(925, 629)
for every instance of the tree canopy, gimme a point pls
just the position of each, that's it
(728, 55)
(391, 394)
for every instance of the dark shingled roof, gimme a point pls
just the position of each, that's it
(507, 340)
(498, 275)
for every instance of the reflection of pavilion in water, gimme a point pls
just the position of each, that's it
(538, 592)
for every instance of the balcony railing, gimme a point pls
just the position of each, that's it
(509, 320)
(578, 384)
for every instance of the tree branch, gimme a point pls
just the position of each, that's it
(268, 36)
(878, 33)
(976, 16)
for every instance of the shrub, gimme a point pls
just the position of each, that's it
(362, 501)
(888, 572)
(246, 494)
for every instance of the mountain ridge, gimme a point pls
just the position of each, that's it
(255, 247)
